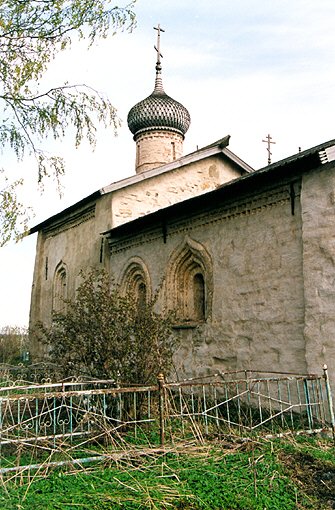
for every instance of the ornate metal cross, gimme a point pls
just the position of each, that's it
(269, 142)
(158, 47)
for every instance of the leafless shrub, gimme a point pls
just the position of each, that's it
(103, 333)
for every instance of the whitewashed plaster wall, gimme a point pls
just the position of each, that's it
(318, 234)
(257, 317)
(149, 195)
(75, 238)
(273, 271)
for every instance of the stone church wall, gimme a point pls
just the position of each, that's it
(73, 241)
(318, 233)
(191, 180)
(70, 244)
(256, 317)
(268, 259)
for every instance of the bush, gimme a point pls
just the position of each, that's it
(12, 344)
(103, 333)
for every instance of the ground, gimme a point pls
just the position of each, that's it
(227, 474)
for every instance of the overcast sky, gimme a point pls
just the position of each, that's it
(244, 68)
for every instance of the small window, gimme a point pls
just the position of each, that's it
(141, 295)
(199, 305)
(173, 146)
(138, 153)
(192, 297)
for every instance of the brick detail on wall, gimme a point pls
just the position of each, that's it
(156, 148)
(251, 206)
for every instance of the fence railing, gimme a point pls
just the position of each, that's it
(232, 402)
(249, 402)
(27, 373)
(53, 412)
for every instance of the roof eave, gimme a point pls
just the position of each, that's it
(218, 147)
(303, 161)
(68, 210)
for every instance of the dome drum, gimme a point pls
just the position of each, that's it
(156, 147)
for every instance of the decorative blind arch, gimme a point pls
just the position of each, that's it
(190, 282)
(60, 288)
(135, 280)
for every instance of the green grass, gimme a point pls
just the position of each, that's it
(281, 474)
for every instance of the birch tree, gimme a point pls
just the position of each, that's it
(32, 33)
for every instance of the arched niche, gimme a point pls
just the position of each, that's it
(189, 282)
(135, 280)
(60, 288)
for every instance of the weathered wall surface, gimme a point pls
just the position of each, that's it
(169, 188)
(155, 148)
(74, 242)
(318, 233)
(273, 267)
(257, 315)
(75, 239)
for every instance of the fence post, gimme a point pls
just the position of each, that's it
(161, 390)
(329, 399)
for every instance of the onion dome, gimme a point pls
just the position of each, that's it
(158, 111)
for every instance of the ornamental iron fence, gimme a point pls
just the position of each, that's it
(54, 414)
(250, 402)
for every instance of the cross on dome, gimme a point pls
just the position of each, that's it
(158, 47)
(158, 112)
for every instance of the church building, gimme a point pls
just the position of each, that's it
(245, 257)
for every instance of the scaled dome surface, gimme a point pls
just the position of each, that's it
(158, 111)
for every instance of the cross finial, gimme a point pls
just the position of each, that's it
(158, 47)
(269, 142)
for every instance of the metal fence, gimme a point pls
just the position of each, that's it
(231, 402)
(55, 412)
(252, 403)
(27, 373)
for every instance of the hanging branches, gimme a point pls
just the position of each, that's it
(32, 33)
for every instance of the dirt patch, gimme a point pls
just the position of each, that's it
(315, 477)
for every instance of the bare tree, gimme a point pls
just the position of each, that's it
(104, 333)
